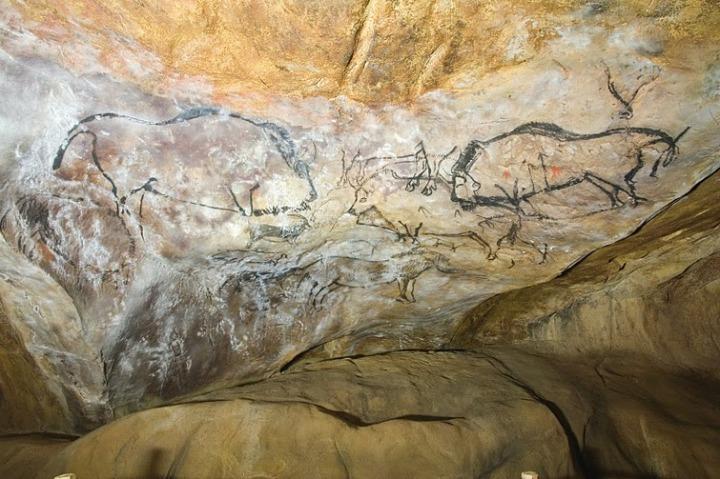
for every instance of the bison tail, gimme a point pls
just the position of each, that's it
(57, 161)
(60, 154)
(672, 151)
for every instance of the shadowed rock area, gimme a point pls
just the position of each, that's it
(359, 239)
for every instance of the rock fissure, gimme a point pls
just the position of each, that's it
(576, 452)
(353, 420)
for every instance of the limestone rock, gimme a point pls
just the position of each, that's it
(654, 293)
(416, 414)
(200, 195)
(50, 379)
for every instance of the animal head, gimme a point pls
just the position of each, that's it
(465, 187)
(672, 151)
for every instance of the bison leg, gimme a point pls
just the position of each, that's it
(430, 186)
(612, 195)
(630, 176)
(406, 285)
(630, 191)
(612, 190)
(662, 158)
(412, 184)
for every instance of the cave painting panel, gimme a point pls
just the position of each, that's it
(245, 169)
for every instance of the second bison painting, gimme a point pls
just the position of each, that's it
(507, 171)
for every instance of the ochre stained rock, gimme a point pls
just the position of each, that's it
(370, 50)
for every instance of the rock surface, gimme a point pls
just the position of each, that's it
(655, 293)
(414, 414)
(197, 196)
(206, 240)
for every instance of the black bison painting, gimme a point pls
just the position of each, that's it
(203, 158)
(509, 169)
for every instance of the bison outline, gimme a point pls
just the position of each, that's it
(467, 169)
(279, 137)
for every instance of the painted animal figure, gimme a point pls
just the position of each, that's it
(508, 170)
(347, 272)
(287, 232)
(203, 157)
(361, 173)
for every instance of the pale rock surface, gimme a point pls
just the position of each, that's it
(200, 195)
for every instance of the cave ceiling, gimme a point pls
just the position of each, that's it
(195, 193)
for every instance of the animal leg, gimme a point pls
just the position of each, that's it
(666, 156)
(612, 192)
(430, 186)
(411, 290)
(241, 210)
(542, 250)
(616, 189)
(510, 237)
(477, 238)
(403, 284)
(413, 183)
(614, 200)
(252, 192)
(630, 176)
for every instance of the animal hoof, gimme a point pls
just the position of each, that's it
(401, 299)
(637, 200)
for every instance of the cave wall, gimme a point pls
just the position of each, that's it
(653, 294)
(194, 196)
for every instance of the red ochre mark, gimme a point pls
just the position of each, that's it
(554, 171)
(47, 255)
(506, 174)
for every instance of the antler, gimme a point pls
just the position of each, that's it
(627, 112)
